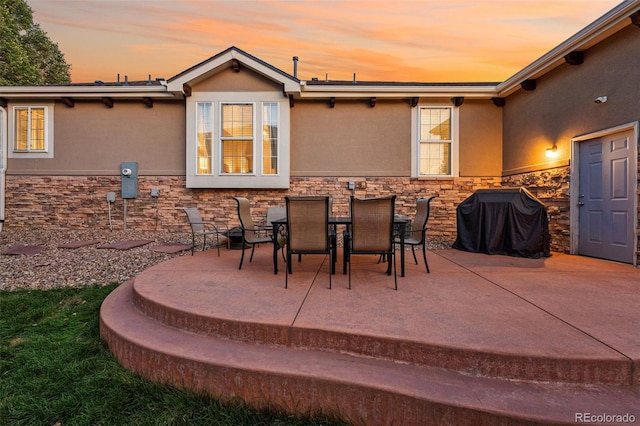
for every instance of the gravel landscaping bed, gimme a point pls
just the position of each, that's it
(58, 267)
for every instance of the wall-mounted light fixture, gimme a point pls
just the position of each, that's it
(552, 152)
(601, 99)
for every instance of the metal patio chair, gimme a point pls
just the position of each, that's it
(200, 228)
(371, 231)
(251, 233)
(418, 234)
(307, 229)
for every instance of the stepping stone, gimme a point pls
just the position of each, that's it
(22, 249)
(125, 245)
(170, 248)
(78, 244)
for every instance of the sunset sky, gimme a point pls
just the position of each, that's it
(417, 40)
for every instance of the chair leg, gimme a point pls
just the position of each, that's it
(193, 242)
(242, 256)
(395, 275)
(424, 255)
(415, 259)
(330, 265)
(286, 273)
(253, 248)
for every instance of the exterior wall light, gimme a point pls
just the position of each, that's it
(552, 152)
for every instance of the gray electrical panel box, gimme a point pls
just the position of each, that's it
(129, 176)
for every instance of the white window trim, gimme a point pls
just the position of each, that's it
(257, 179)
(415, 138)
(48, 131)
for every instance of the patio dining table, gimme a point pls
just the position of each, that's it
(400, 223)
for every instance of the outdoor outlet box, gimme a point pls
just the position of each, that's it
(155, 192)
(129, 177)
(351, 185)
(111, 197)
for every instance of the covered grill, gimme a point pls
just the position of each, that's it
(508, 221)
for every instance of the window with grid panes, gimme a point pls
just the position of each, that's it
(435, 141)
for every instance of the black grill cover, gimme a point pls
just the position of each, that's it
(508, 221)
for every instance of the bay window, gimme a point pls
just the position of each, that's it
(237, 142)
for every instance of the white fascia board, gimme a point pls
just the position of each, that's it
(355, 91)
(200, 72)
(610, 23)
(45, 92)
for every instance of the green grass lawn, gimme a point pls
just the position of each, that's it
(55, 370)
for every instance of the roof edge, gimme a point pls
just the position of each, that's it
(609, 23)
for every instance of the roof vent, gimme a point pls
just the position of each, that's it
(99, 82)
(295, 66)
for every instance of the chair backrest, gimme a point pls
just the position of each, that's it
(307, 224)
(372, 224)
(423, 208)
(275, 213)
(194, 218)
(246, 221)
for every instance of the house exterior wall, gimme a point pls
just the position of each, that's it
(351, 139)
(329, 148)
(480, 139)
(227, 80)
(562, 107)
(92, 140)
(80, 201)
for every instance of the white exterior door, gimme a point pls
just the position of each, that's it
(606, 197)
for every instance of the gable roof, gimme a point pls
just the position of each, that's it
(210, 66)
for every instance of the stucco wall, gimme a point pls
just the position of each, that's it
(91, 139)
(480, 138)
(227, 80)
(351, 139)
(562, 105)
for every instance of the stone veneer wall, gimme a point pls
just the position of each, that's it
(552, 187)
(80, 202)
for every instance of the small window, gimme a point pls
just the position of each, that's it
(31, 131)
(435, 141)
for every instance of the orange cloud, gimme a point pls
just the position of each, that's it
(425, 40)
